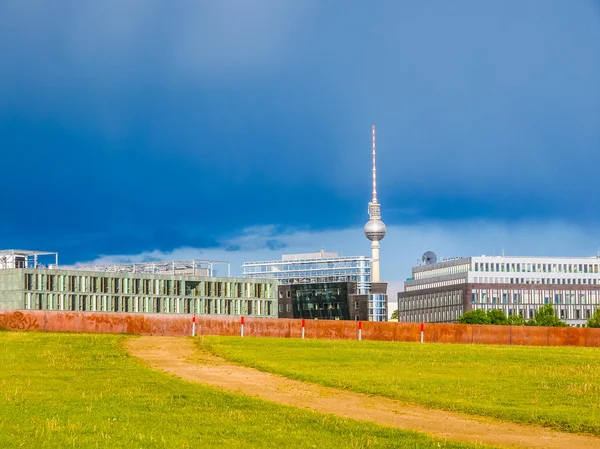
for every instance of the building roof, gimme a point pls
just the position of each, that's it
(24, 252)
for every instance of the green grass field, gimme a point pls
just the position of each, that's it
(553, 386)
(73, 390)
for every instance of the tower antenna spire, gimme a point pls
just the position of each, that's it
(375, 228)
(374, 168)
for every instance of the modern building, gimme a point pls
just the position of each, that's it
(156, 287)
(333, 301)
(442, 291)
(313, 268)
(323, 285)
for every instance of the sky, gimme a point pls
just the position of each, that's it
(242, 130)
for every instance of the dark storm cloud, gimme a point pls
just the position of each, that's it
(136, 126)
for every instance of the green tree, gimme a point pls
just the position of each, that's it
(476, 316)
(514, 319)
(531, 322)
(594, 321)
(394, 315)
(497, 316)
(545, 316)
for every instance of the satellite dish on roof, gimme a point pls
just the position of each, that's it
(429, 257)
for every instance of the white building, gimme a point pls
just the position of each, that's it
(314, 267)
(442, 291)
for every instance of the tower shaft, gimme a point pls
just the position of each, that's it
(375, 261)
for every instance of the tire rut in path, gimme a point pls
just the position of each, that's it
(179, 356)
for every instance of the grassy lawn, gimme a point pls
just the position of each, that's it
(557, 387)
(74, 390)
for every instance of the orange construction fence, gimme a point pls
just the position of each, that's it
(181, 325)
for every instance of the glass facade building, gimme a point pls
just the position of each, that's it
(323, 274)
(321, 301)
(378, 307)
(314, 267)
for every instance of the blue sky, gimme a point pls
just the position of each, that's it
(241, 129)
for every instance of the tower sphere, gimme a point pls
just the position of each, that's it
(375, 230)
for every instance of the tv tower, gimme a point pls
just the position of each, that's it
(375, 228)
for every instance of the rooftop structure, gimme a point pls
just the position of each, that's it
(442, 291)
(375, 228)
(192, 267)
(314, 267)
(19, 258)
(13, 258)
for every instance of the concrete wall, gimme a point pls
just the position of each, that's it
(11, 289)
(181, 325)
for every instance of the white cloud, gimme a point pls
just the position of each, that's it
(400, 250)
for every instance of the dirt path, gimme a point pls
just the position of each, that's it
(179, 356)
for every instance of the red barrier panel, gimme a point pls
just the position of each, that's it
(592, 337)
(175, 325)
(335, 329)
(180, 325)
(136, 324)
(491, 335)
(379, 331)
(452, 333)
(109, 323)
(264, 327)
(565, 336)
(410, 332)
(280, 329)
(210, 325)
(529, 335)
(64, 322)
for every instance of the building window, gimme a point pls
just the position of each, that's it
(356, 305)
(288, 293)
(288, 307)
(281, 307)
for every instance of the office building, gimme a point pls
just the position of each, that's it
(442, 291)
(155, 287)
(323, 285)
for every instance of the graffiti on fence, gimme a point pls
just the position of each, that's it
(18, 321)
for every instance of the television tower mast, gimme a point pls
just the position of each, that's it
(375, 228)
